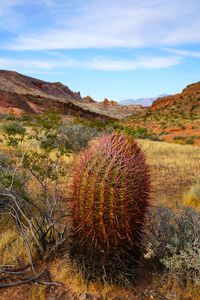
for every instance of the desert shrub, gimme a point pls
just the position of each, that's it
(192, 197)
(110, 197)
(108, 127)
(190, 140)
(193, 106)
(13, 132)
(154, 137)
(38, 154)
(5, 160)
(174, 240)
(181, 125)
(141, 132)
(185, 266)
(99, 125)
(163, 124)
(38, 145)
(179, 137)
(9, 117)
(10, 178)
(172, 231)
(77, 136)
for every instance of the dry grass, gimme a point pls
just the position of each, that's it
(175, 168)
(192, 197)
(64, 271)
(12, 249)
(171, 289)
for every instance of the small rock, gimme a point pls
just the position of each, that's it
(85, 296)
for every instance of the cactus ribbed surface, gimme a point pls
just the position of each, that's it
(110, 196)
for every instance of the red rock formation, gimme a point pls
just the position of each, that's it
(19, 93)
(88, 99)
(187, 102)
(14, 82)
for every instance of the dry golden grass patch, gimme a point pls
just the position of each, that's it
(12, 248)
(172, 290)
(175, 168)
(64, 271)
(13, 251)
(192, 197)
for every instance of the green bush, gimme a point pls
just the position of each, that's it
(76, 136)
(9, 178)
(14, 132)
(189, 141)
(154, 137)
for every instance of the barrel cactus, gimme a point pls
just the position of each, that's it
(111, 191)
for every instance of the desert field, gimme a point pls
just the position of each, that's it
(175, 172)
(175, 169)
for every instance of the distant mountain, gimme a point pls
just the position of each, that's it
(141, 101)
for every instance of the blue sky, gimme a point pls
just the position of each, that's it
(104, 48)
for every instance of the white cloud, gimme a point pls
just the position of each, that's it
(6, 5)
(33, 64)
(183, 53)
(98, 63)
(114, 23)
(10, 19)
(9, 63)
(144, 63)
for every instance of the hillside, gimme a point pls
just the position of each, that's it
(185, 103)
(14, 82)
(174, 118)
(19, 94)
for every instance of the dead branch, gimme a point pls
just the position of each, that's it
(28, 280)
(11, 284)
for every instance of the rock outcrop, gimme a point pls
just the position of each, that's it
(187, 102)
(22, 94)
(14, 82)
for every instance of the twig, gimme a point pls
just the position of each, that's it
(32, 279)
(3, 278)
(48, 282)
(12, 272)
(6, 285)
(4, 268)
